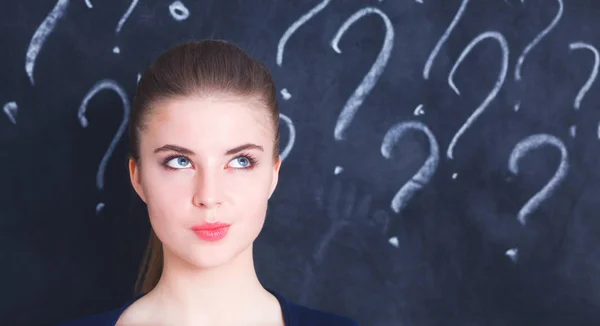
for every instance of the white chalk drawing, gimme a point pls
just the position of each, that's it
(11, 109)
(290, 125)
(419, 110)
(292, 29)
(444, 38)
(517, 106)
(41, 34)
(344, 206)
(513, 254)
(89, 4)
(501, 77)
(122, 21)
(394, 242)
(523, 148)
(381, 220)
(588, 84)
(354, 208)
(573, 131)
(370, 79)
(99, 208)
(105, 84)
(285, 94)
(179, 11)
(424, 174)
(537, 40)
(338, 169)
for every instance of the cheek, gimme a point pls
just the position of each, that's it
(250, 195)
(165, 192)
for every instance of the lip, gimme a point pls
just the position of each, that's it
(209, 226)
(211, 231)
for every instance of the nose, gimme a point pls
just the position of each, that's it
(206, 190)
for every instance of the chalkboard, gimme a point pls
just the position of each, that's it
(440, 157)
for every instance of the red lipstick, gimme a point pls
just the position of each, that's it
(211, 231)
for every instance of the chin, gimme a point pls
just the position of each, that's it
(211, 260)
(208, 258)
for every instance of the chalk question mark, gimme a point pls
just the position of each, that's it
(41, 34)
(370, 79)
(522, 149)
(444, 38)
(290, 31)
(535, 42)
(501, 77)
(107, 84)
(122, 21)
(588, 84)
(292, 130)
(423, 175)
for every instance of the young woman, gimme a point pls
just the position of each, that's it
(205, 160)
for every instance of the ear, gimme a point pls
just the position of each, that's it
(275, 178)
(135, 177)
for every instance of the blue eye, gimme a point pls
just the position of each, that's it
(242, 162)
(179, 162)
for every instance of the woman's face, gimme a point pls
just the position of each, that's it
(205, 160)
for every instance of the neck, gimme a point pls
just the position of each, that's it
(186, 290)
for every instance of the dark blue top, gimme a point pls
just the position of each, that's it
(293, 315)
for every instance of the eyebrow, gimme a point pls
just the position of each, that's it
(244, 147)
(175, 148)
(185, 151)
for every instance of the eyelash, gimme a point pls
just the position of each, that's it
(251, 159)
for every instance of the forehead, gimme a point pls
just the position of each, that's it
(205, 123)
